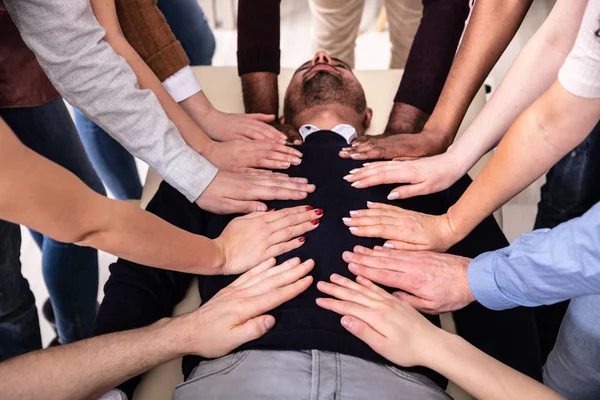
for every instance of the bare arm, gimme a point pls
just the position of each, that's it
(394, 329)
(89, 368)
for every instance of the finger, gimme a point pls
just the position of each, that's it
(287, 191)
(350, 284)
(383, 206)
(279, 280)
(250, 330)
(283, 235)
(380, 262)
(344, 307)
(373, 287)
(363, 331)
(378, 231)
(285, 183)
(407, 191)
(259, 269)
(286, 221)
(283, 214)
(402, 245)
(261, 276)
(417, 303)
(370, 221)
(231, 206)
(266, 118)
(285, 247)
(367, 155)
(273, 298)
(346, 294)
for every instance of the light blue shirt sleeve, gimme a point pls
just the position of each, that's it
(541, 267)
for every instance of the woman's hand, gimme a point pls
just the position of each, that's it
(388, 325)
(246, 156)
(225, 127)
(419, 177)
(234, 316)
(404, 229)
(253, 238)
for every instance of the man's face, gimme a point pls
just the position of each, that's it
(321, 81)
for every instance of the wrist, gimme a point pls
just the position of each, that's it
(438, 349)
(405, 118)
(220, 257)
(172, 335)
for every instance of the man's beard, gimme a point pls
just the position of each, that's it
(326, 88)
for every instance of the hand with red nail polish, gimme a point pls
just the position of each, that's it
(253, 238)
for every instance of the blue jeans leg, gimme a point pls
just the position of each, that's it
(573, 367)
(19, 324)
(189, 24)
(570, 190)
(115, 166)
(70, 271)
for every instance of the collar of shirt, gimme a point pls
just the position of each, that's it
(344, 130)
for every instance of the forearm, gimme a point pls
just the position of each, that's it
(479, 374)
(519, 88)
(555, 124)
(53, 201)
(491, 27)
(89, 368)
(525, 273)
(260, 92)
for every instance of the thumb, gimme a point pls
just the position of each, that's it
(362, 330)
(252, 329)
(246, 207)
(262, 117)
(407, 191)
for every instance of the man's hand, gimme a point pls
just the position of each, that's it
(404, 229)
(291, 133)
(431, 282)
(238, 193)
(419, 177)
(234, 316)
(224, 127)
(252, 238)
(390, 326)
(247, 156)
(402, 146)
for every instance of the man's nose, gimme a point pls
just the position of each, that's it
(321, 58)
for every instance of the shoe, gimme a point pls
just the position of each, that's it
(48, 313)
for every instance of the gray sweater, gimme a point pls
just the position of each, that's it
(68, 43)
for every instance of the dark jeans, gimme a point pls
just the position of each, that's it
(70, 271)
(570, 190)
(113, 163)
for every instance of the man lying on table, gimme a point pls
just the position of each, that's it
(308, 354)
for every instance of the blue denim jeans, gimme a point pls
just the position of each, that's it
(113, 163)
(573, 367)
(70, 271)
(570, 190)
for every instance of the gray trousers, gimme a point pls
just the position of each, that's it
(302, 375)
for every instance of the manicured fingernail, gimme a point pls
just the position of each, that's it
(355, 184)
(285, 165)
(355, 170)
(347, 177)
(348, 255)
(355, 144)
(315, 222)
(308, 208)
(393, 196)
(319, 211)
(365, 164)
(269, 322)
(296, 161)
(352, 267)
(270, 209)
(297, 153)
(370, 203)
(388, 246)
(353, 228)
(346, 322)
(346, 219)
(353, 212)
(301, 239)
(354, 155)
(359, 249)
(261, 207)
(346, 149)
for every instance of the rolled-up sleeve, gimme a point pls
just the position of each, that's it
(541, 267)
(68, 43)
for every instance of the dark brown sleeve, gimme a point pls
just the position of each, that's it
(258, 36)
(148, 32)
(432, 53)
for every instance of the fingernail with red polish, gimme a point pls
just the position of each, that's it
(309, 208)
(319, 211)
(315, 222)
(270, 209)
(302, 239)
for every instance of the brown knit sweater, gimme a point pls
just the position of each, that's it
(148, 32)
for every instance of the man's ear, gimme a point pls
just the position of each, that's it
(368, 117)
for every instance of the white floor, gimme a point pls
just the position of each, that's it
(372, 53)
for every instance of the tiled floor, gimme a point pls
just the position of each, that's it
(372, 50)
